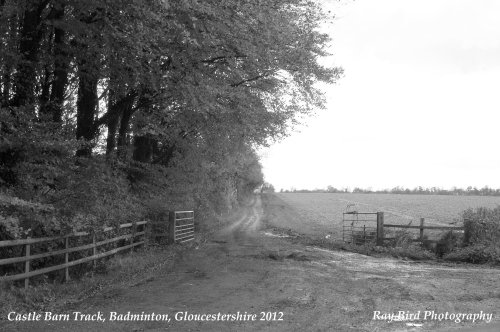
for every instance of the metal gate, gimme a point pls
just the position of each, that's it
(181, 226)
(359, 227)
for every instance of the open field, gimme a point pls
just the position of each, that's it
(321, 213)
(248, 266)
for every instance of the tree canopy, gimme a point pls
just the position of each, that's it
(182, 89)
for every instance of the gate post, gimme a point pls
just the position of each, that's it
(171, 227)
(380, 228)
(422, 220)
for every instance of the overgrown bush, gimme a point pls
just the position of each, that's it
(478, 253)
(411, 251)
(403, 246)
(481, 240)
(93, 193)
(402, 239)
(481, 225)
(448, 242)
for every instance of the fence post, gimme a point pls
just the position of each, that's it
(27, 265)
(380, 228)
(94, 250)
(133, 230)
(147, 232)
(171, 227)
(66, 258)
(422, 220)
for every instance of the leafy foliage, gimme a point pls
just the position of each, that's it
(482, 225)
(481, 240)
(113, 111)
(477, 253)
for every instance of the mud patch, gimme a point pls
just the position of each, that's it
(281, 256)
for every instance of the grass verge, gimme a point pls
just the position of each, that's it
(118, 272)
(109, 275)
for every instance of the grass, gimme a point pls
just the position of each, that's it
(321, 213)
(410, 251)
(109, 276)
(313, 219)
(121, 271)
(434, 208)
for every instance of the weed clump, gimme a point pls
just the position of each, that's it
(481, 239)
(448, 242)
(481, 225)
(403, 246)
(478, 254)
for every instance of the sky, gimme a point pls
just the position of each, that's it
(418, 105)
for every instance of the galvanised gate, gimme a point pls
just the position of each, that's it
(362, 227)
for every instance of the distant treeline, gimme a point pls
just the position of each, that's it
(469, 191)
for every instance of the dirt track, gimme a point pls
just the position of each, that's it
(247, 268)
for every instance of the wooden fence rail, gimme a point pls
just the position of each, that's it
(443, 228)
(422, 227)
(181, 229)
(27, 258)
(354, 227)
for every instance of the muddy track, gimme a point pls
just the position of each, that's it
(246, 268)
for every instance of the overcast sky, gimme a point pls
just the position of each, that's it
(419, 103)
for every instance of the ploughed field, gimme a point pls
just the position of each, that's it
(321, 213)
(249, 266)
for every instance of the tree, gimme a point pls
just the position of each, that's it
(267, 188)
(181, 90)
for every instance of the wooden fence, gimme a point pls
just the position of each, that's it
(181, 229)
(357, 227)
(422, 227)
(94, 245)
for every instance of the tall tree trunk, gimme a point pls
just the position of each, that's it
(45, 93)
(144, 145)
(112, 130)
(88, 79)
(10, 41)
(86, 108)
(113, 120)
(61, 66)
(31, 34)
(124, 131)
(118, 118)
(3, 67)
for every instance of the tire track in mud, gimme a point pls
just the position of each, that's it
(245, 227)
(245, 269)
